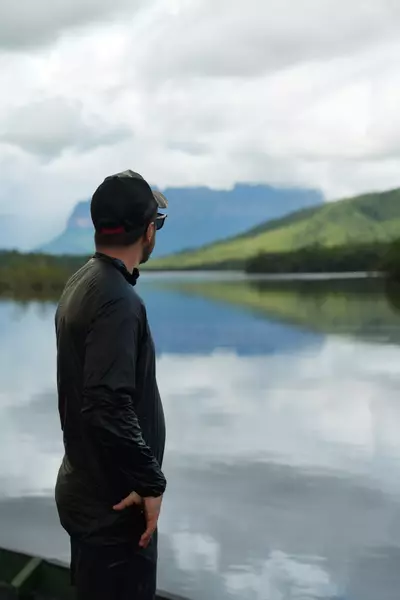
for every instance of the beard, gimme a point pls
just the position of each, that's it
(148, 250)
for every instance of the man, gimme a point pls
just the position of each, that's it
(110, 484)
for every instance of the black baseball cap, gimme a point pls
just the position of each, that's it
(124, 202)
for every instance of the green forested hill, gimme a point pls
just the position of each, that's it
(364, 219)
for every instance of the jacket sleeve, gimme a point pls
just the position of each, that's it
(108, 414)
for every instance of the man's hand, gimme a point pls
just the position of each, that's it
(131, 500)
(151, 507)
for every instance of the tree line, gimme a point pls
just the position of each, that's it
(378, 257)
(36, 274)
(41, 274)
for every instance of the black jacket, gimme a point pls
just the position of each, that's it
(110, 408)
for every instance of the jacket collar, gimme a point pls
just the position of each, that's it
(120, 266)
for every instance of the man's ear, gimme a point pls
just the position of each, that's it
(149, 232)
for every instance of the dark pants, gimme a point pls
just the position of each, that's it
(114, 572)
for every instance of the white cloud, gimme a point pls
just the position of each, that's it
(198, 92)
(48, 127)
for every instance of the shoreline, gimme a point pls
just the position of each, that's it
(243, 276)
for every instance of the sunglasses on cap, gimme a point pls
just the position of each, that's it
(160, 220)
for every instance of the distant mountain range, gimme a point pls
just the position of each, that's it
(368, 218)
(197, 216)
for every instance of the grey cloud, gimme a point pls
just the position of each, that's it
(36, 22)
(48, 127)
(225, 38)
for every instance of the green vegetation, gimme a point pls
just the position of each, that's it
(367, 220)
(320, 259)
(35, 275)
(390, 263)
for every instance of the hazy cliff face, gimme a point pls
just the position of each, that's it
(80, 217)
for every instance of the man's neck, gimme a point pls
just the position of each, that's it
(130, 259)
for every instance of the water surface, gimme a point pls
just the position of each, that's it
(283, 450)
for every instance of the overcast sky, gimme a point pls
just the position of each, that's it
(303, 92)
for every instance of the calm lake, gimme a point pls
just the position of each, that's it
(283, 456)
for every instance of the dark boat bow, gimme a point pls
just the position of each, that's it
(25, 577)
